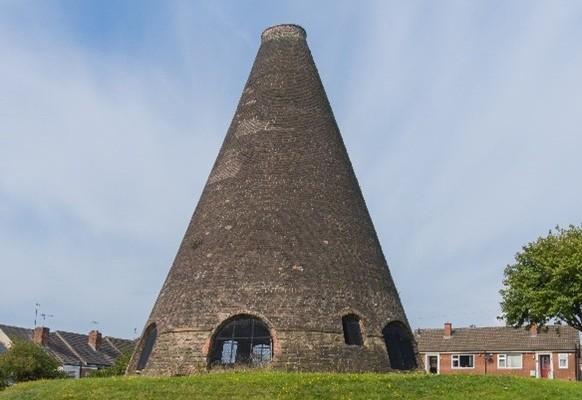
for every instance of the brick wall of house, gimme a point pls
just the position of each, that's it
(481, 367)
(566, 373)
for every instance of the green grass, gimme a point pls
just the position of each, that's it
(280, 385)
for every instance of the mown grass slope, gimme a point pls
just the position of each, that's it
(279, 385)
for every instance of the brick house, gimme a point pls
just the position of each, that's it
(78, 354)
(550, 352)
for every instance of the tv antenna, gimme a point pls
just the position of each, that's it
(36, 308)
(45, 316)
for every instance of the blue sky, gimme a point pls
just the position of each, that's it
(462, 119)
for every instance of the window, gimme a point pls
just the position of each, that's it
(463, 361)
(72, 371)
(242, 340)
(262, 353)
(352, 329)
(563, 360)
(400, 346)
(510, 360)
(149, 341)
(228, 355)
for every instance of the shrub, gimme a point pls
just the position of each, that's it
(25, 361)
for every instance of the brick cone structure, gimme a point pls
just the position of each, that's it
(281, 234)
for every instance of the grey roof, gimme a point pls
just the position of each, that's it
(60, 350)
(16, 333)
(55, 346)
(123, 345)
(73, 348)
(106, 354)
(554, 337)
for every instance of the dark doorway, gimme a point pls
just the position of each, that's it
(399, 344)
(149, 341)
(545, 365)
(243, 340)
(433, 364)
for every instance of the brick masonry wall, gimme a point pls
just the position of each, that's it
(490, 368)
(281, 232)
(186, 353)
(566, 373)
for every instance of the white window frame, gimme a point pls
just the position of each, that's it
(505, 357)
(562, 356)
(458, 356)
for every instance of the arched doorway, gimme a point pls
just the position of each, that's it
(242, 340)
(399, 343)
(149, 340)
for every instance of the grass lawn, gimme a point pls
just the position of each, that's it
(280, 385)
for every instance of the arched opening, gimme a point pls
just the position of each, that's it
(242, 340)
(149, 340)
(352, 330)
(399, 344)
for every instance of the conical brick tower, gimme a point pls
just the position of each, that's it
(280, 265)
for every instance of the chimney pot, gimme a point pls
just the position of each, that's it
(95, 339)
(448, 329)
(40, 335)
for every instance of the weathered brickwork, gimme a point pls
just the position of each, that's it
(281, 232)
(317, 351)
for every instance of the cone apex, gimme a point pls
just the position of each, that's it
(283, 31)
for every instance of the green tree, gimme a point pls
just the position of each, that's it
(545, 283)
(117, 369)
(25, 361)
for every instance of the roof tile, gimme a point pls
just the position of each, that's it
(68, 347)
(553, 337)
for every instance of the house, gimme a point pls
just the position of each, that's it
(548, 352)
(78, 354)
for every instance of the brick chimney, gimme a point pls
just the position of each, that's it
(448, 330)
(95, 339)
(533, 330)
(40, 335)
